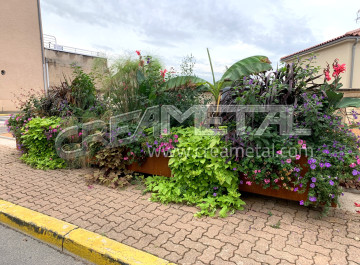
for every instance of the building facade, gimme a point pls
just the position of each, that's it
(21, 53)
(31, 62)
(346, 48)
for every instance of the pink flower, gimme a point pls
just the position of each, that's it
(176, 136)
(297, 157)
(276, 180)
(126, 158)
(327, 76)
(267, 181)
(358, 161)
(352, 165)
(255, 171)
(303, 146)
(80, 133)
(288, 160)
(248, 183)
(279, 152)
(300, 142)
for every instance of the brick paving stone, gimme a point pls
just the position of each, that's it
(172, 232)
(321, 259)
(239, 260)
(263, 258)
(208, 254)
(190, 257)
(304, 261)
(353, 254)
(338, 257)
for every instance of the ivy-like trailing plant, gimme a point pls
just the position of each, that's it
(38, 137)
(201, 176)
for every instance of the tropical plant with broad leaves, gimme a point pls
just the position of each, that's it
(244, 67)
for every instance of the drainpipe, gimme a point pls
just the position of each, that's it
(353, 62)
(42, 48)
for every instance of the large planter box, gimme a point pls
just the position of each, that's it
(159, 166)
(281, 193)
(153, 166)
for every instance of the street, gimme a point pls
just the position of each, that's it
(17, 248)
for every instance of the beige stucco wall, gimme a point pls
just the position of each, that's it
(342, 51)
(20, 51)
(59, 65)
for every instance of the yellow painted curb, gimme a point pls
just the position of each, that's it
(102, 250)
(45, 228)
(88, 245)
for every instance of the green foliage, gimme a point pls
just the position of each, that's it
(112, 170)
(330, 154)
(244, 67)
(201, 176)
(38, 138)
(83, 89)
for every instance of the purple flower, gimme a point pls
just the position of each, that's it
(354, 172)
(215, 188)
(296, 169)
(155, 142)
(312, 199)
(129, 133)
(327, 164)
(234, 168)
(214, 194)
(331, 183)
(350, 151)
(321, 164)
(312, 166)
(325, 151)
(312, 185)
(301, 202)
(313, 179)
(296, 189)
(300, 185)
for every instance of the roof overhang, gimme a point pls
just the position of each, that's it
(317, 48)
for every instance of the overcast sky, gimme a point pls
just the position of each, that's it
(232, 30)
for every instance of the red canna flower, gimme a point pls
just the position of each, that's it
(138, 52)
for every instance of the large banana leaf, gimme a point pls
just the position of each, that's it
(247, 66)
(182, 80)
(333, 97)
(348, 102)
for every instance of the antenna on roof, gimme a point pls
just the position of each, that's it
(358, 16)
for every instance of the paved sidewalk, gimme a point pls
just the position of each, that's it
(171, 232)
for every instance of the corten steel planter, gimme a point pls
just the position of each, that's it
(159, 166)
(153, 166)
(282, 192)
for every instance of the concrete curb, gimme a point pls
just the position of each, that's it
(85, 244)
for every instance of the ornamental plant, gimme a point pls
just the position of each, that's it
(201, 176)
(38, 137)
(331, 151)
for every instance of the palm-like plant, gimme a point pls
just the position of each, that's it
(244, 67)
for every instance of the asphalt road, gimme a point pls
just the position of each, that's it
(19, 249)
(3, 128)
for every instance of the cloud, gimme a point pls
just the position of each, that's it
(175, 28)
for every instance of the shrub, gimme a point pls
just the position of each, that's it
(112, 170)
(201, 176)
(332, 150)
(38, 137)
